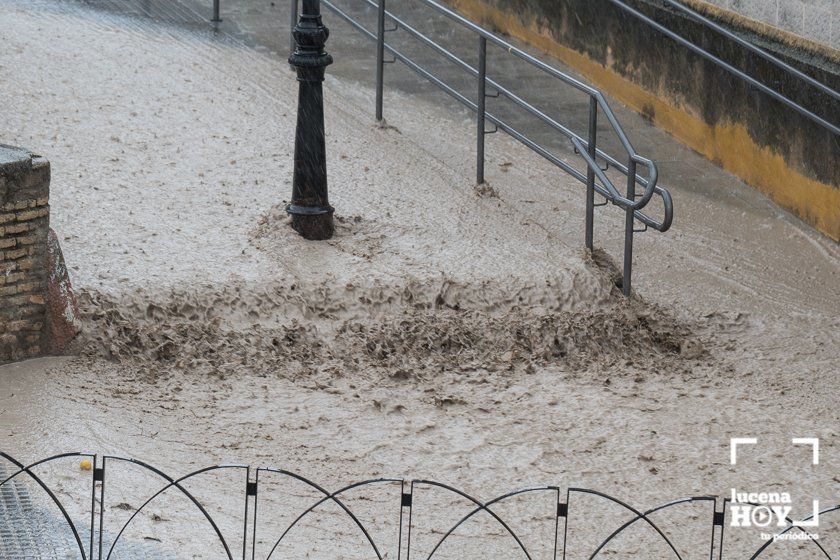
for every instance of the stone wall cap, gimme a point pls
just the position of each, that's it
(24, 178)
(39, 161)
(12, 154)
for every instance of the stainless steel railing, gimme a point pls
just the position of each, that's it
(595, 178)
(834, 128)
(754, 49)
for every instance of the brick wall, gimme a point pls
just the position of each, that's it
(24, 231)
(817, 20)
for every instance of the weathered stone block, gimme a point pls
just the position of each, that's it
(30, 215)
(15, 254)
(18, 228)
(62, 313)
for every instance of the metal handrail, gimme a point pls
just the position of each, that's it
(729, 68)
(630, 202)
(577, 84)
(519, 101)
(779, 63)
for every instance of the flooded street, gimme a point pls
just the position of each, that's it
(445, 332)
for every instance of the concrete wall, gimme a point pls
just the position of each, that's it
(817, 20)
(38, 312)
(792, 159)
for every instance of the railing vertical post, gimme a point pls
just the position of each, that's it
(293, 21)
(629, 221)
(722, 528)
(256, 500)
(482, 108)
(380, 61)
(92, 508)
(216, 10)
(590, 173)
(100, 476)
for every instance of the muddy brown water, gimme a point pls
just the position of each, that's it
(444, 333)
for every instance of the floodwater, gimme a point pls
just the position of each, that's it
(446, 332)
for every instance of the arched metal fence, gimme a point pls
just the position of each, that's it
(421, 519)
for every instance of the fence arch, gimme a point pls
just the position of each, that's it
(793, 525)
(496, 500)
(626, 506)
(480, 507)
(328, 496)
(27, 469)
(644, 515)
(172, 483)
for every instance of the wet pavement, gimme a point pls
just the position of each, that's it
(760, 255)
(264, 25)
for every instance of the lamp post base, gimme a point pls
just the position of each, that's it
(314, 223)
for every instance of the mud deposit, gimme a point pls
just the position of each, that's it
(413, 330)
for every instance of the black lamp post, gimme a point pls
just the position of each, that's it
(312, 215)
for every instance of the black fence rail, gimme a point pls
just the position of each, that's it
(402, 514)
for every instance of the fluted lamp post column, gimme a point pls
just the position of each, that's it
(312, 215)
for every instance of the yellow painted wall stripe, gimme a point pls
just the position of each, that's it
(729, 145)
